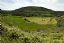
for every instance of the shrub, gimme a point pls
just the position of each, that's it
(36, 40)
(2, 30)
(14, 36)
(26, 20)
(26, 40)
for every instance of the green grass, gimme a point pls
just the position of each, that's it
(43, 20)
(18, 21)
(30, 23)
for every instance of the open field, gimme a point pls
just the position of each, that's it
(29, 23)
(42, 20)
(19, 30)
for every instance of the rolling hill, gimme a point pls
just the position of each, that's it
(33, 11)
(30, 11)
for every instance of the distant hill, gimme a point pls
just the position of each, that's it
(33, 11)
(33, 8)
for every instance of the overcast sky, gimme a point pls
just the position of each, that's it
(57, 5)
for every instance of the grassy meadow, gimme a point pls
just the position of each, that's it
(17, 29)
(43, 20)
(29, 23)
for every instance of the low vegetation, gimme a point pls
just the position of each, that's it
(18, 36)
(31, 25)
(26, 23)
(43, 20)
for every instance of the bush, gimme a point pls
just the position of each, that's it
(26, 40)
(36, 40)
(2, 30)
(14, 35)
(26, 20)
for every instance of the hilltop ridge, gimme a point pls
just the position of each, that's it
(33, 11)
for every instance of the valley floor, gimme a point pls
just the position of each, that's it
(16, 29)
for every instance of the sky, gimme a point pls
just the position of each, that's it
(57, 5)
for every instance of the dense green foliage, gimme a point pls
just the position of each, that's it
(33, 11)
(29, 11)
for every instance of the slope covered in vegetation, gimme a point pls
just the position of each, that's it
(33, 11)
(31, 25)
(15, 35)
(25, 23)
(30, 11)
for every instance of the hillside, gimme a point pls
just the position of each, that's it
(15, 35)
(30, 11)
(17, 29)
(33, 11)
